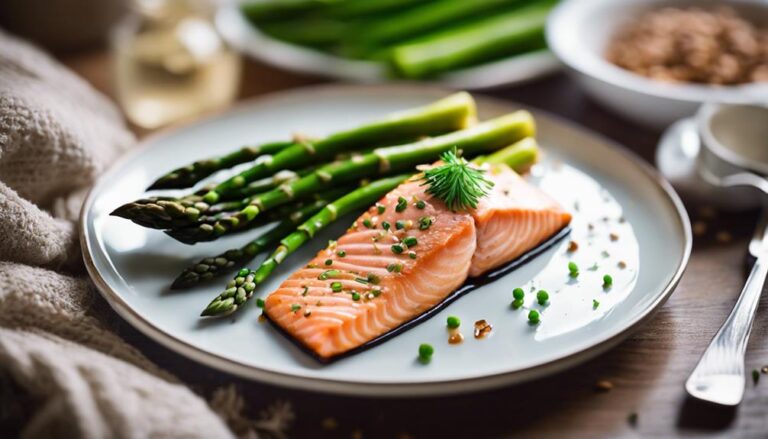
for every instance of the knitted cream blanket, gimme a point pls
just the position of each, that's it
(56, 135)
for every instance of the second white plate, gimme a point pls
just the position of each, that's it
(249, 40)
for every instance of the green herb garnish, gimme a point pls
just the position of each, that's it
(402, 204)
(458, 184)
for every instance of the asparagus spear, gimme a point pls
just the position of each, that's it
(208, 268)
(505, 34)
(188, 175)
(170, 212)
(484, 137)
(313, 32)
(519, 156)
(422, 20)
(258, 11)
(454, 112)
(241, 289)
(369, 8)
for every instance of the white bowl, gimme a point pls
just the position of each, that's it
(578, 32)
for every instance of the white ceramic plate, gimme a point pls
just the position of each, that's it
(246, 38)
(608, 190)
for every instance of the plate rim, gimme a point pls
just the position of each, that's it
(392, 389)
(361, 71)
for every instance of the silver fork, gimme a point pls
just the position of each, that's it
(719, 377)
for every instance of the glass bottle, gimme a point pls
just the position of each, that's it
(171, 64)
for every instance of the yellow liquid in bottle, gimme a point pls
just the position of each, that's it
(173, 68)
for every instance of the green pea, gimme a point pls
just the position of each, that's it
(542, 297)
(329, 262)
(425, 353)
(336, 287)
(410, 241)
(534, 316)
(573, 269)
(518, 294)
(453, 322)
(607, 281)
(517, 303)
(397, 249)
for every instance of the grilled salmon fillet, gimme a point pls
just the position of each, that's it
(405, 255)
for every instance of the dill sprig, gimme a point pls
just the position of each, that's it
(458, 184)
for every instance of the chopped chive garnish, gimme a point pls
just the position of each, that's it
(385, 225)
(425, 353)
(421, 204)
(425, 222)
(341, 253)
(534, 317)
(295, 307)
(453, 322)
(376, 293)
(573, 269)
(397, 249)
(402, 204)
(399, 224)
(410, 241)
(607, 281)
(372, 278)
(336, 287)
(542, 297)
(595, 304)
(394, 268)
(518, 294)
(412, 255)
(260, 302)
(305, 291)
(328, 273)
(367, 223)
(755, 376)
(380, 209)
(361, 280)
(329, 262)
(517, 303)
(355, 296)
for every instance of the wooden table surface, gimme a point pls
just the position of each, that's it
(647, 370)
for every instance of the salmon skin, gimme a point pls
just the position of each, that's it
(408, 255)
